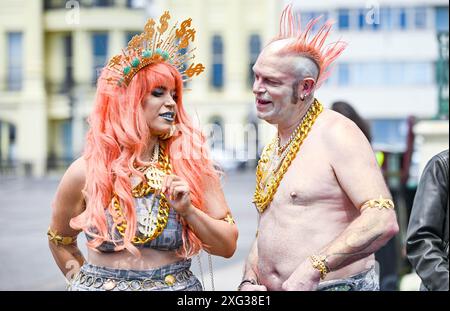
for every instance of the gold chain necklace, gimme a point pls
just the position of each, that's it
(281, 149)
(267, 186)
(154, 175)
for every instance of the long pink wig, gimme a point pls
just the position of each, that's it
(313, 48)
(116, 138)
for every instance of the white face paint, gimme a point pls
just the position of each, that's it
(275, 85)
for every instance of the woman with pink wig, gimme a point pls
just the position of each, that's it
(144, 192)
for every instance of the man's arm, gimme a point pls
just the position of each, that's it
(250, 278)
(363, 237)
(425, 236)
(357, 171)
(354, 164)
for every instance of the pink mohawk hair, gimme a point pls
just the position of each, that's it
(313, 48)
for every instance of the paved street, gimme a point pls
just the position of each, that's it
(27, 264)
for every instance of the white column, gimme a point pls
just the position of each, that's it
(82, 57)
(116, 42)
(32, 127)
(82, 71)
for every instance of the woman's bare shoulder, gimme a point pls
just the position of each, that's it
(76, 173)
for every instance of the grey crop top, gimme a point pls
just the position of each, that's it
(169, 239)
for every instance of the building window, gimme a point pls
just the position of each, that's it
(402, 18)
(419, 74)
(7, 145)
(344, 74)
(217, 67)
(217, 136)
(255, 49)
(54, 4)
(420, 17)
(386, 18)
(184, 66)
(66, 140)
(441, 18)
(102, 3)
(388, 74)
(130, 35)
(100, 48)
(68, 72)
(394, 73)
(306, 17)
(389, 134)
(136, 4)
(361, 19)
(344, 19)
(369, 18)
(15, 61)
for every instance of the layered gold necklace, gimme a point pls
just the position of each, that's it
(275, 160)
(150, 226)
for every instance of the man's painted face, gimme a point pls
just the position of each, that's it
(273, 87)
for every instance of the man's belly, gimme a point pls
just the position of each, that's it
(274, 274)
(283, 244)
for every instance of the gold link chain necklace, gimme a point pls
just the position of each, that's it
(153, 181)
(268, 176)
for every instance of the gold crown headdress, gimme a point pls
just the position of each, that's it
(155, 46)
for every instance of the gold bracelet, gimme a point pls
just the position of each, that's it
(54, 237)
(379, 203)
(319, 263)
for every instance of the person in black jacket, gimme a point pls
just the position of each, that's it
(427, 236)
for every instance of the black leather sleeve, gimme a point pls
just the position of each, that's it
(426, 241)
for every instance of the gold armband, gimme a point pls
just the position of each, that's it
(379, 203)
(229, 219)
(320, 263)
(54, 237)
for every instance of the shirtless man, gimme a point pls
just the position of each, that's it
(325, 210)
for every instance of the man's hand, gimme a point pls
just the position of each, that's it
(304, 278)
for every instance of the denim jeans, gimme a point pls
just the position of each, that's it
(173, 277)
(365, 281)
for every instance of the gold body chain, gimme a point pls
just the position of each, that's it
(154, 176)
(270, 172)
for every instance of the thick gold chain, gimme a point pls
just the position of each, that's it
(267, 187)
(150, 185)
